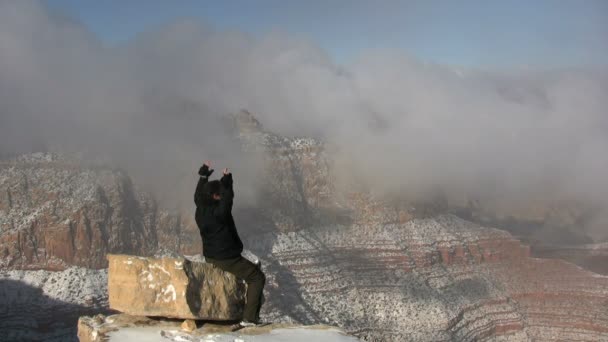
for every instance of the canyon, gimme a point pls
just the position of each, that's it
(378, 267)
(57, 213)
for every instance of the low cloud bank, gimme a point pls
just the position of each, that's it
(156, 105)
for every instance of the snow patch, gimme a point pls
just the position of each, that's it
(159, 267)
(73, 285)
(154, 334)
(167, 294)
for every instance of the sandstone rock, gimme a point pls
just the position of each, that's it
(188, 325)
(176, 288)
(86, 328)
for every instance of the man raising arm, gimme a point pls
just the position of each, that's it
(222, 245)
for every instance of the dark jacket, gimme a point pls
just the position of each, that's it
(214, 219)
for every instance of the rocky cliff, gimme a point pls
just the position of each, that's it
(440, 278)
(387, 269)
(56, 212)
(382, 268)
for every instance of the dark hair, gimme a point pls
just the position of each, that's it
(213, 187)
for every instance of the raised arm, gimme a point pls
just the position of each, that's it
(226, 195)
(204, 172)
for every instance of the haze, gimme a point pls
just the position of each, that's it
(154, 104)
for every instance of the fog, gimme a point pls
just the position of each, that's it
(157, 104)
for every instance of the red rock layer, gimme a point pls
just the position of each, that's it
(438, 279)
(54, 214)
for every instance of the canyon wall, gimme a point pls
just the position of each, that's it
(381, 268)
(55, 212)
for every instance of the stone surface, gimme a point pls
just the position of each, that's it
(188, 325)
(175, 288)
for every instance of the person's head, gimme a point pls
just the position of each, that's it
(213, 189)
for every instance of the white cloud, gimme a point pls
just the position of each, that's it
(154, 105)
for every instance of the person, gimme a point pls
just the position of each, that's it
(222, 245)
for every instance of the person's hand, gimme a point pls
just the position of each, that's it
(226, 178)
(205, 170)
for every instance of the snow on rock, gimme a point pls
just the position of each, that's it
(44, 305)
(295, 334)
(75, 285)
(126, 328)
(56, 211)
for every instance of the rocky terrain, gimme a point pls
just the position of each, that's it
(55, 213)
(435, 279)
(397, 270)
(380, 268)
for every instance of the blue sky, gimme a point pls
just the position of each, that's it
(533, 33)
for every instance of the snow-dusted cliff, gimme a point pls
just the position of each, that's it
(55, 212)
(380, 268)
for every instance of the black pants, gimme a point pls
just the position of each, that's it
(253, 276)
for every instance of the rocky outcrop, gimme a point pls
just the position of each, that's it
(116, 327)
(297, 186)
(56, 212)
(174, 288)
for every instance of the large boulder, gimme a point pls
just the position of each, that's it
(174, 288)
